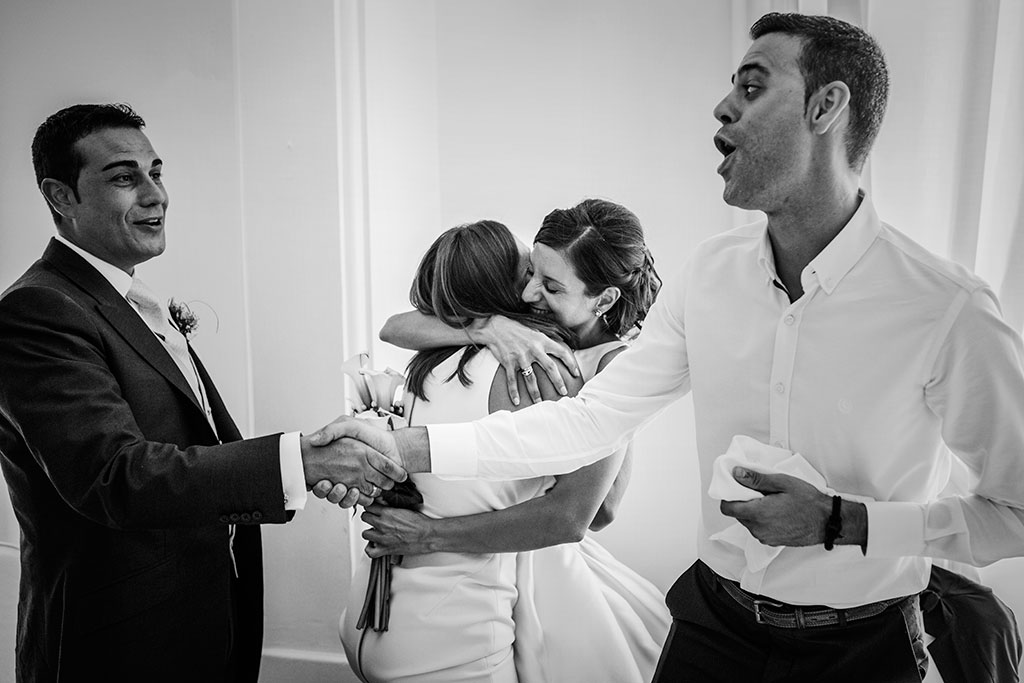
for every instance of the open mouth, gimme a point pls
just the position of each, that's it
(724, 146)
(539, 311)
(155, 222)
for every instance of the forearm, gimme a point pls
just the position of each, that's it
(417, 331)
(609, 506)
(561, 515)
(534, 524)
(413, 444)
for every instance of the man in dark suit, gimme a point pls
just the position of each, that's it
(139, 502)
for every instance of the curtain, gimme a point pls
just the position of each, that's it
(948, 166)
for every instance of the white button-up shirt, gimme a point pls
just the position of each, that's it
(890, 353)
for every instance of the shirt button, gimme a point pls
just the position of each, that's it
(780, 388)
(233, 517)
(257, 516)
(246, 517)
(224, 519)
(789, 319)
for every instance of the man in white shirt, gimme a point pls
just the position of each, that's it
(139, 502)
(820, 330)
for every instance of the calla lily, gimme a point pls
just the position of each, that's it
(384, 387)
(353, 367)
(382, 391)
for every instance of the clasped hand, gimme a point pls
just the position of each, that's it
(791, 513)
(350, 461)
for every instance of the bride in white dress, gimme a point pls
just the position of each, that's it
(573, 612)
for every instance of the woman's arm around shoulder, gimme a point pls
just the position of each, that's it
(499, 398)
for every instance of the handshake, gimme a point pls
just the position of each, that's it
(351, 461)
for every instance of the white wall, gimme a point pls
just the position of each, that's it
(312, 142)
(240, 98)
(508, 110)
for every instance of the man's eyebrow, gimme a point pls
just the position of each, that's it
(747, 68)
(124, 162)
(129, 163)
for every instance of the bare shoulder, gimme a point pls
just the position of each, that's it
(608, 357)
(500, 400)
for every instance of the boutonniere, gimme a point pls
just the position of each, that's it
(379, 400)
(183, 318)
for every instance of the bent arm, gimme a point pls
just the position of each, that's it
(418, 331)
(562, 436)
(610, 505)
(977, 391)
(515, 345)
(562, 515)
(586, 498)
(68, 431)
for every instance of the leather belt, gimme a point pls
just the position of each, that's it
(781, 615)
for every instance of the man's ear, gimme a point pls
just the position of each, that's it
(607, 298)
(59, 196)
(827, 106)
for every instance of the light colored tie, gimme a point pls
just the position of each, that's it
(157, 317)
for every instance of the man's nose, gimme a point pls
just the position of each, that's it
(724, 111)
(152, 193)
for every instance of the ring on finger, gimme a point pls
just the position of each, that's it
(527, 371)
(374, 491)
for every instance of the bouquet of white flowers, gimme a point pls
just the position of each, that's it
(380, 395)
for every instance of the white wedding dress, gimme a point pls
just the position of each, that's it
(583, 616)
(561, 614)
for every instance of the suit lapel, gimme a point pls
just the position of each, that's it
(226, 429)
(119, 313)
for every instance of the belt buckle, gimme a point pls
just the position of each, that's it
(758, 603)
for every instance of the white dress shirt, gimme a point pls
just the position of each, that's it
(890, 352)
(293, 478)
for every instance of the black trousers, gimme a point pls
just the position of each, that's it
(976, 637)
(715, 640)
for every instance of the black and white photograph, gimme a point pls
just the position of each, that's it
(511, 341)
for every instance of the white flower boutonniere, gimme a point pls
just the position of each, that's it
(183, 318)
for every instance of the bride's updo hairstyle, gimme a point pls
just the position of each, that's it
(604, 243)
(471, 271)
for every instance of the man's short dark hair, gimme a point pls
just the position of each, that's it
(833, 50)
(53, 147)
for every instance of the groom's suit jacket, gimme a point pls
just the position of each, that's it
(124, 493)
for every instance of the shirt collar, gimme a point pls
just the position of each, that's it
(846, 248)
(118, 279)
(765, 256)
(839, 256)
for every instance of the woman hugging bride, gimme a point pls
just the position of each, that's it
(500, 581)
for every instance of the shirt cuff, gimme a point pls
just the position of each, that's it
(293, 477)
(453, 450)
(895, 529)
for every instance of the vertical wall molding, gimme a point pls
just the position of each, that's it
(353, 200)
